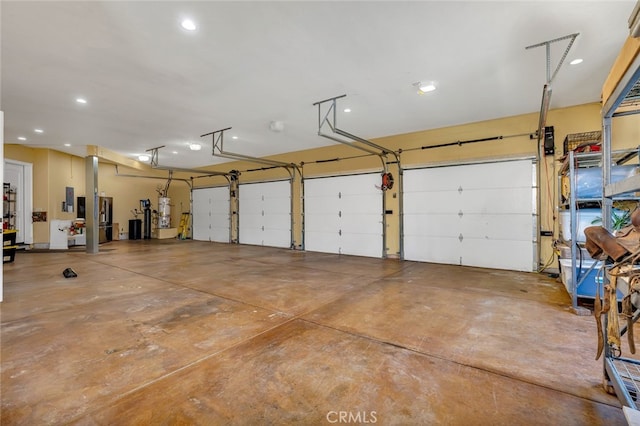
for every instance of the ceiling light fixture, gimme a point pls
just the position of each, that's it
(188, 25)
(174, 152)
(195, 146)
(424, 88)
(67, 144)
(38, 130)
(22, 138)
(347, 110)
(143, 157)
(81, 100)
(575, 62)
(234, 137)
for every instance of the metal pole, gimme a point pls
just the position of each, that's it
(91, 185)
(574, 231)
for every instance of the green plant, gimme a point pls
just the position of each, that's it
(619, 219)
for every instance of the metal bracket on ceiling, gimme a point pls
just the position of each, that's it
(546, 90)
(330, 119)
(547, 45)
(154, 155)
(217, 150)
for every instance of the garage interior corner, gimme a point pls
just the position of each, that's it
(190, 332)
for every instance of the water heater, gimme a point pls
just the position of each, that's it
(164, 212)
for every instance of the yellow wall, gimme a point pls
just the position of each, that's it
(53, 171)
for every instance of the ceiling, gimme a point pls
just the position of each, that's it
(148, 82)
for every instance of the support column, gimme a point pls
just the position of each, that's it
(2, 174)
(91, 208)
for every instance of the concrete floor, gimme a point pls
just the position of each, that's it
(183, 332)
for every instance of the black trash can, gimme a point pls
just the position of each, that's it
(135, 229)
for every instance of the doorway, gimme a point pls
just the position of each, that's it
(19, 176)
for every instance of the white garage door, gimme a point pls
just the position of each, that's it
(343, 215)
(476, 215)
(211, 221)
(265, 213)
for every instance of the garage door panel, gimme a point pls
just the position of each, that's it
(322, 242)
(497, 254)
(433, 202)
(251, 221)
(361, 204)
(432, 225)
(438, 249)
(276, 238)
(511, 200)
(280, 221)
(343, 214)
(211, 220)
(320, 206)
(361, 244)
(358, 184)
(252, 236)
(502, 227)
(321, 223)
(265, 213)
(219, 234)
(435, 179)
(490, 205)
(483, 175)
(361, 223)
(201, 215)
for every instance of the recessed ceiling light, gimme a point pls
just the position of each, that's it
(576, 61)
(67, 144)
(22, 138)
(188, 25)
(195, 146)
(347, 110)
(424, 88)
(38, 130)
(174, 152)
(81, 100)
(143, 157)
(234, 137)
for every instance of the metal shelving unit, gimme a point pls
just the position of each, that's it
(622, 374)
(583, 279)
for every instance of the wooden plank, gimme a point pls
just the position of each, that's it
(625, 58)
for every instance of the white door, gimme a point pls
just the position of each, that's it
(265, 213)
(343, 214)
(476, 215)
(211, 221)
(19, 176)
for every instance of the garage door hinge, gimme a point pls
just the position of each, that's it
(340, 232)
(339, 213)
(339, 194)
(460, 190)
(460, 214)
(460, 237)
